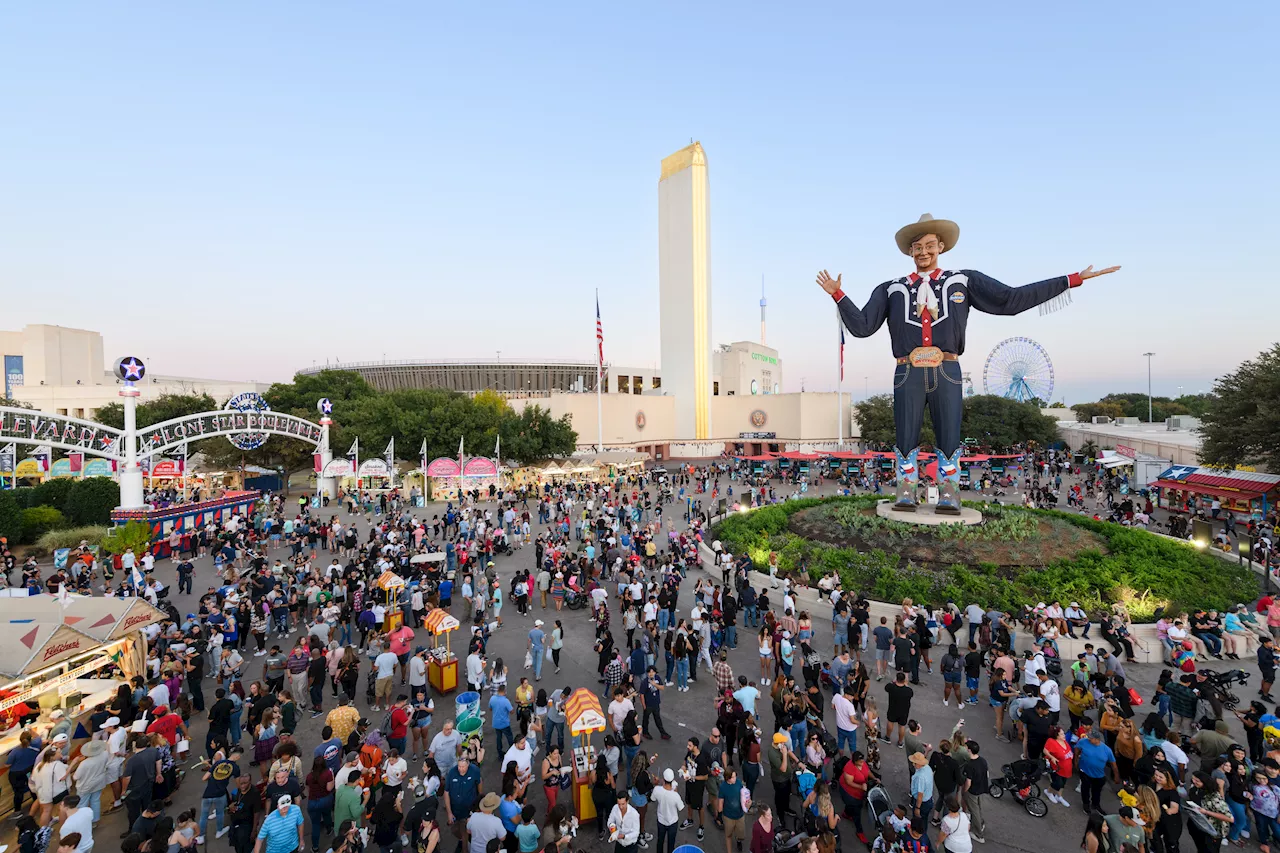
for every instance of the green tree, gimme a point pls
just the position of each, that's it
(91, 500)
(875, 420)
(1002, 423)
(1196, 404)
(10, 518)
(1243, 425)
(1086, 412)
(52, 493)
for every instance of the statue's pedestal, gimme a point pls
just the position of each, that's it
(927, 515)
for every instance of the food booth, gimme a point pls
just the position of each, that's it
(1187, 488)
(70, 657)
(390, 585)
(442, 663)
(584, 715)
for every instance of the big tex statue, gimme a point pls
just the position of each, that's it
(927, 313)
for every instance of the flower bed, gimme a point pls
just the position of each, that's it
(1046, 555)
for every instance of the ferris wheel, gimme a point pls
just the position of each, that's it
(1018, 369)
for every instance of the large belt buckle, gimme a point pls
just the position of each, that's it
(925, 357)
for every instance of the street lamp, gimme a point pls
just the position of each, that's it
(1148, 357)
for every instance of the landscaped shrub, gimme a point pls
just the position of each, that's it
(52, 493)
(91, 500)
(10, 518)
(1141, 569)
(39, 520)
(71, 537)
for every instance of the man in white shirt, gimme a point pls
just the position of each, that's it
(475, 671)
(618, 710)
(522, 754)
(117, 737)
(846, 720)
(76, 818)
(1076, 618)
(1031, 667)
(385, 663)
(624, 825)
(669, 805)
(1050, 694)
(418, 669)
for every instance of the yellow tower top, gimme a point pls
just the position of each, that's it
(690, 155)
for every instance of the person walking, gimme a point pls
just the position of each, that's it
(977, 783)
(668, 805)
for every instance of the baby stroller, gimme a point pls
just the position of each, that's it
(1019, 779)
(880, 804)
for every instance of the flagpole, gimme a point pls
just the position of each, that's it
(839, 381)
(599, 380)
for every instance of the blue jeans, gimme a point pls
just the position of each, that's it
(396, 743)
(344, 634)
(843, 737)
(1268, 828)
(537, 661)
(93, 799)
(671, 663)
(630, 752)
(752, 617)
(499, 734)
(219, 807)
(799, 731)
(1241, 822)
(1214, 644)
(731, 636)
(234, 733)
(321, 813)
(682, 672)
(557, 729)
(662, 619)
(942, 387)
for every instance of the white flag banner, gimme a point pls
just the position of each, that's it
(422, 451)
(355, 447)
(390, 453)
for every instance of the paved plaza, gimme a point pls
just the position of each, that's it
(685, 714)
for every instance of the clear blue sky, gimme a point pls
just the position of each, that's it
(243, 189)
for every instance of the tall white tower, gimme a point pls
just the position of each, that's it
(684, 288)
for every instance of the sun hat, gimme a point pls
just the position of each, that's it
(918, 759)
(490, 802)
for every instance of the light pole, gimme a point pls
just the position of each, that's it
(1148, 357)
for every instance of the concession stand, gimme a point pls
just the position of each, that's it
(442, 663)
(390, 585)
(584, 715)
(65, 656)
(1188, 488)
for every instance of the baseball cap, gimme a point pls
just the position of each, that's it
(1130, 813)
(61, 737)
(111, 721)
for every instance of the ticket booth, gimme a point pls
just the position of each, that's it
(584, 716)
(442, 663)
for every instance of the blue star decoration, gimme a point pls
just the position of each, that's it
(326, 406)
(132, 370)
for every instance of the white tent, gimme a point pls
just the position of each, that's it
(101, 618)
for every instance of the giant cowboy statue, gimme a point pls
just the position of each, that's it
(926, 328)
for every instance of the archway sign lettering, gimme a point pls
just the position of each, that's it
(24, 426)
(170, 434)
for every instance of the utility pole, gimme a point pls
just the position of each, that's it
(1148, 357)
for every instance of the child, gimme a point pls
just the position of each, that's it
(527, 833)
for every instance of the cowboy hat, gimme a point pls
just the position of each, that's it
(948, 232)
(918, 759)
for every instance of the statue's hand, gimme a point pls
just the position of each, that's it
(831, 285)
(1090, 272)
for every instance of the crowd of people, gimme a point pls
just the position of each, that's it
(812, 722)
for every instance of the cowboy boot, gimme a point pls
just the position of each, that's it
(949, 483)
(908, 478)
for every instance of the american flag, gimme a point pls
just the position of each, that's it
(599, 333)
(840, 323)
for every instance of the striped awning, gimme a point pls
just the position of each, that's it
(439, 621)
(584, 713)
